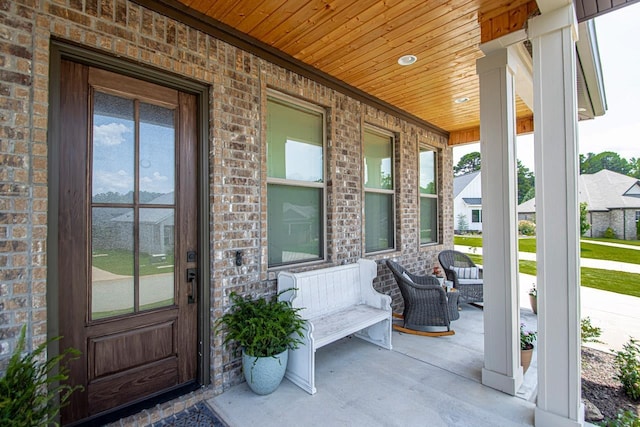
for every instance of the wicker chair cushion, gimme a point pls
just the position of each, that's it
(406, 276)
(470, 281)
(466, 272)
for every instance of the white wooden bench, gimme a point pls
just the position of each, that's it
(336, 302)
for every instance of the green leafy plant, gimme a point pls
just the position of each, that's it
(262, 327)
(533, 291)
(609, 233)
(623, 419)
(527, 338)
(627, 361)
(32, 390)
(589, 333)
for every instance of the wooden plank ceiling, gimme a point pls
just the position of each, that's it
(359, 42)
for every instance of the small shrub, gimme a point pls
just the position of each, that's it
(589, 333)
(33, 391)
(609, 233)
(526, 228)
(623, 419)
(628, 363)
(638, 230)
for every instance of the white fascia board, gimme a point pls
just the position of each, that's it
(589, 60)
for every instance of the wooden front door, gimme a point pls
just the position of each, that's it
(127, 237)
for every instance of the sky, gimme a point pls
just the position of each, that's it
(619, 129)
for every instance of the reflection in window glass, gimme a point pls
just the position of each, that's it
(295, 183)
(379, 222)
(295, 225)
(428, 196)
(113, 149)
(427, 172)
(428, 220)
(157, 238)
(294, 142)
(157, 154)
(377, 161)
(379, 191)
(112, 267)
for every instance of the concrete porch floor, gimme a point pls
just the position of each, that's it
(423, 381)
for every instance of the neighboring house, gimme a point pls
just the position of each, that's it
(613, 200)
(467, 201)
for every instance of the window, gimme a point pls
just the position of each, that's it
(428, 196)
(476, 215)
(379, 196)
(637, 216)
(295, 181)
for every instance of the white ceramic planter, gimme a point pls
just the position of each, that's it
(264, 374)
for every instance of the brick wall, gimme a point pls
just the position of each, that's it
(237, 169)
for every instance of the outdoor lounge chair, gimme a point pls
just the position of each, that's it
(465, 275)
(428, 309)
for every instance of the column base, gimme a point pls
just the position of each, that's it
(501, 382)
(549, 419)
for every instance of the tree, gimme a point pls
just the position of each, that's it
(634, 164)
(463, 225)
(526, 183)
(592, 163)
(584, 223)
(468, 163)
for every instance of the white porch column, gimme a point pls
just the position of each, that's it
(556, 158)
(502, 368)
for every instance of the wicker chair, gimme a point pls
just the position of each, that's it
(426, 305)
(471, 289)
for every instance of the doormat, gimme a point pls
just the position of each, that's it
(199, 415)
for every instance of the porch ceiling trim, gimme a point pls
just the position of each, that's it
(178, 11)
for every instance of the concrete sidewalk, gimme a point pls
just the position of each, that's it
(615, 245)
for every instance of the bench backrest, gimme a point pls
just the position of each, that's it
(326, 290)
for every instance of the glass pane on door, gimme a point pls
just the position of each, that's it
(113, 149)
(133, 206)
(157, 154)
(156, 258)
(112, 266)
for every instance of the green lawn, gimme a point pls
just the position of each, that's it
(587, 250)
(606, 280)
(121, 262)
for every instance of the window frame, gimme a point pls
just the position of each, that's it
(479, 216)
(436, 176)
(392, 192)
(298, 103)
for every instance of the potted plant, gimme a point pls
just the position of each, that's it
(33, 388)
(533, 298)
(265, 329)
(438, 274)
(527, 338)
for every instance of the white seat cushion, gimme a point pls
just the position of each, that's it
(466, 272)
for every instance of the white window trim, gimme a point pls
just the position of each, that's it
(436, 151)
(271, 93)
(392, 192)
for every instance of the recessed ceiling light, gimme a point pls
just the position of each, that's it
(461, 100)
(407, 59)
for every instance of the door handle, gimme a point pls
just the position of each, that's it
(192, 279)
